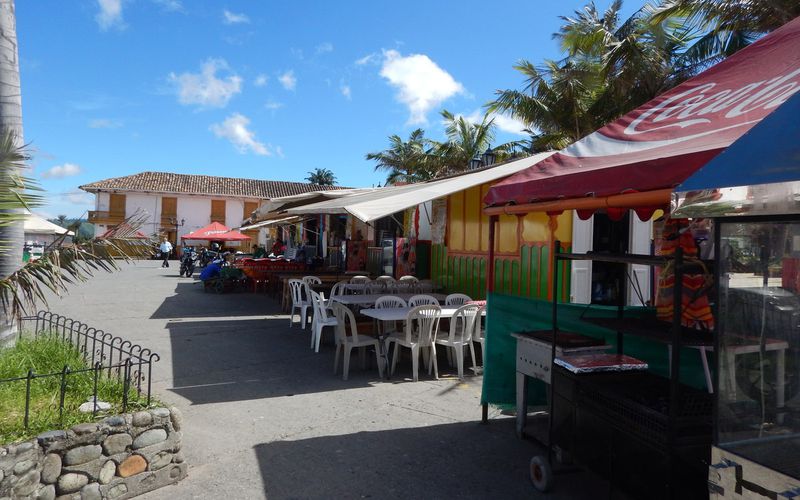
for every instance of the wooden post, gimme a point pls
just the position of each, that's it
(552, 225)
(489, 289)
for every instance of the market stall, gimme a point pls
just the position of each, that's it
(647, 430)
(752, 192)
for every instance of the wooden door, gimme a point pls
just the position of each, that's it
(116, 204)
(249, 208)
(218, 211)
(169, 207)
(580, 285)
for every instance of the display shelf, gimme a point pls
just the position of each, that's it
(659, 331)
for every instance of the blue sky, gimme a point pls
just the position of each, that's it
(257, 89)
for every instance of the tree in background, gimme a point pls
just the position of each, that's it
(321, 177)
(61, 220)
(406, 161)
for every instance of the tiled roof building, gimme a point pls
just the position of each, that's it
(164, 182)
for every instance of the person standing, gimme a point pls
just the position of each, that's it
(166, 249)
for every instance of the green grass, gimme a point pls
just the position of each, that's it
(45, 355)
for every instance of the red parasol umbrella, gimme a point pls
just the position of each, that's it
(212, 231)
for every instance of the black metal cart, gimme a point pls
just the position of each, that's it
(650, 436)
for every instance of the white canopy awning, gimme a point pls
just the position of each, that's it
(285, 220)
(386, 201)
(273, 206)
(37, 225)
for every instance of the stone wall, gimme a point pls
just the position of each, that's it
(117, 458)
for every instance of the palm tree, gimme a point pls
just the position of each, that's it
(465, 140)
(11, 232)
(556, 101)
(61, 220)
(406, 161)
(729, 25)
(321, 177)
(609, 69)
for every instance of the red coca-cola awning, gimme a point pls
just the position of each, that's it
(215, 232)
(661, 143)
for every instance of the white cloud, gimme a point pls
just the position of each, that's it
(78, 197)
(104, 123)
(503, 122)
(229, 17)
(261, 80)
(324, 47)
(346, 91)
(368, 59)
(205, 88)
(272, 105)
(110, 14)
(170, 5)
(422, 85)
(234, 128)
(61, 171)
(298, 53)
(288, 80)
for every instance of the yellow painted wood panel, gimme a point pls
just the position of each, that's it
(484, 221)
(455, 222)
(472, 219)
(507, 234)
(535, 227)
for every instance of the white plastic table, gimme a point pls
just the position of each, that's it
(368, 299)
(399, 314)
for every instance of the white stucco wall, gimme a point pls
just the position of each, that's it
(234, 210)
(195, 211)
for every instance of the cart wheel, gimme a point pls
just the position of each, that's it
(541, 473)
(219, 286)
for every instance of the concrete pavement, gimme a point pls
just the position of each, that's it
(265, 416)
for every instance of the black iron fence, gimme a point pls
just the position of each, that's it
(108, 357)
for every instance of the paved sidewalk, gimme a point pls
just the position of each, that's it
(265, 416)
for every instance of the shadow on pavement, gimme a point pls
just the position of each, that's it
(190, 301)
(219, 361)
(462, 460)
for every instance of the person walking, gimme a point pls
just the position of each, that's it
(166, 249)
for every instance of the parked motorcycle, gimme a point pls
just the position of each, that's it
(188, 262)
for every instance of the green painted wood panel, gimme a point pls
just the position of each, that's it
(515, 277)
(524, 269)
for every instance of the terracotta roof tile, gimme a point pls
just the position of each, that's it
(164, 182)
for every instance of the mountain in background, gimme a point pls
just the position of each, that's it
(85, 230)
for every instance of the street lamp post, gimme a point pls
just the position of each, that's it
(488, 157)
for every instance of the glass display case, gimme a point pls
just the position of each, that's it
(758, 405)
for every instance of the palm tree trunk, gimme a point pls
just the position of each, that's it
(11, 236)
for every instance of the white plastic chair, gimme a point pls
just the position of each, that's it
(389, 302)
(347, 341)
(363, 281)
(298, 302)
(460, 335)
(479, 334)
(311, 280)
(338, 289)
(387, 281)
(422, 300)
(456, 299)
(409, 278)
(421, 323)
(321, 319)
